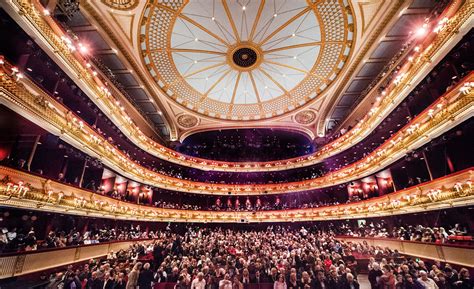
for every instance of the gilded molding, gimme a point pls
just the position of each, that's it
(108, 102)
(433, 121)
(451, 191)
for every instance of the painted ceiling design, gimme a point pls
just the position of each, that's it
(245, 59)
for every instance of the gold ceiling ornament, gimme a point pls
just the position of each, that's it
(305, 117)
(121, 4)
(187, 120)
(245, 61)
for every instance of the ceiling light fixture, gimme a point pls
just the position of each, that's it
(420, 32)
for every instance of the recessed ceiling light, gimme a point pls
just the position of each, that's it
(213, 18)
(243, 7)
(275, 15)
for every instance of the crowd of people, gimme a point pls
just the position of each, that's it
(417, 233)
(247, 205)
(285, 258)
(19, 240)
(15, 240)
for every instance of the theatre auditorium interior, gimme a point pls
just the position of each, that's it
(236, 144)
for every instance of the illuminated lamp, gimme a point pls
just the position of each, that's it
(420, 32)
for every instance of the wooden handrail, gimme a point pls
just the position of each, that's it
(462, 246)
(8, 254)
(35, 261)
(453, 254)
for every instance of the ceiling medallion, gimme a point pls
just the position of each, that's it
(121, 4)
(234, 61)
(305, 117)
(245, 56)
(187, 121)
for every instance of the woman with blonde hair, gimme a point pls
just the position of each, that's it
(133, 276)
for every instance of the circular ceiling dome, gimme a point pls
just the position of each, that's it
(245, 60)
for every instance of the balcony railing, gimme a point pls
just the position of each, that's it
(17, 264)
(25, 190)
(450, 253)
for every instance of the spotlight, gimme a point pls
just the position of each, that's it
(83, 49)
(420, 32)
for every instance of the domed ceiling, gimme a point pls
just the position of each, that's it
(246, 59)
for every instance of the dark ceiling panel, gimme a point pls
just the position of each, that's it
(78, 20)
(137, 93)
(147, 106)
(93, 39)
(111, 61)
(348, 99)
(423, 3)
(358, 85)
(387, 49)
(339, 112)
(406, 24)
(126, 79)
(156, 118)
(371, 69)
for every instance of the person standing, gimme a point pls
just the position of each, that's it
(132, 282)
(199, 282)
(145, 278)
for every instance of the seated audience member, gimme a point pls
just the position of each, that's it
(427, 282)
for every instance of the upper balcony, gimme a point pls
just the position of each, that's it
(392, 93)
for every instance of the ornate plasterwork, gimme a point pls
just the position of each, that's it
(453, 190)
(305, 117)
(190, 48)
(121, 4)
(444, 114)
(187, 121)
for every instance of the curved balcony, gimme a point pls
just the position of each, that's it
(24, 190)
(22, 95)
(17, 264)
(452, 21)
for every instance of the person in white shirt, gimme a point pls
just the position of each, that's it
(225, 283)
(198, 282)
(427, 283)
